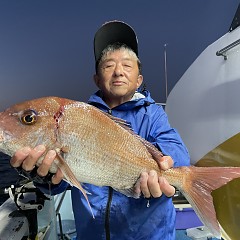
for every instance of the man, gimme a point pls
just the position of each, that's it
(118, 77)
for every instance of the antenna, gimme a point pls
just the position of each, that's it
(165, 70)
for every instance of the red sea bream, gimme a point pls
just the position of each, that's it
(95, 148)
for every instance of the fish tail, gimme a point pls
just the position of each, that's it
(198, 183)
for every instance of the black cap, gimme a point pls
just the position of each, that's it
(113, 32)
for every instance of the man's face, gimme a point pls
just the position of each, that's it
(118, 76)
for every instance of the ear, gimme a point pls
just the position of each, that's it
(96, 80)
(139, 80)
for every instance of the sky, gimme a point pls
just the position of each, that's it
(46, 47)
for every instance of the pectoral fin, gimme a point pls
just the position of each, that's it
(70, 177)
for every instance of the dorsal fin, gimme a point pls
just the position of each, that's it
(117, 120)
(156, 154)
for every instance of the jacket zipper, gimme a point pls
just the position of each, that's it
(107, 213)
(108, 206)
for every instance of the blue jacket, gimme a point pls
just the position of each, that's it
(118, 217)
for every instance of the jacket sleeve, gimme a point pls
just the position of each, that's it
(167, 138)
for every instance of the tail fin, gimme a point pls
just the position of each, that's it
(198, 183)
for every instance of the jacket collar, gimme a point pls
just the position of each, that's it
(138, 99)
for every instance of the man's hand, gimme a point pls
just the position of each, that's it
(153, 186)
(27, 159)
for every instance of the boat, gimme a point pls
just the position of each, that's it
(30, 214)
(203, 107)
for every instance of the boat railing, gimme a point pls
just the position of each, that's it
(223, 51)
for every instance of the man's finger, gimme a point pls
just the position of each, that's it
(33, 156)
(153, 184)
(57, 178)
(166, 188)
(166, 162)
(144, 185)
(19, 157)
(46, 163)
(137, 188)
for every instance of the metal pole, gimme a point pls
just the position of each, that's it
(165, 70)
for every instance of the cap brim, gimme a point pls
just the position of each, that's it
(113, 32)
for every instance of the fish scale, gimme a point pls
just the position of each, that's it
(110, 134)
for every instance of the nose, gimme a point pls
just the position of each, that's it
(118, 71)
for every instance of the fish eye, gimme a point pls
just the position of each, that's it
(28, 117)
